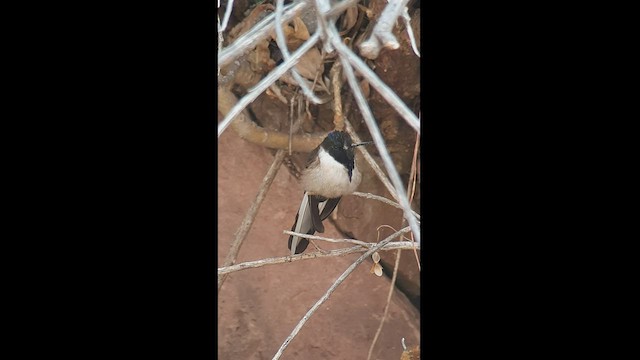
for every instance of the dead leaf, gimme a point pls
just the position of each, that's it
(411, 354)
(310, 64)
(300, 30)
(257, 14)
(260, 58)
(377, 268)
(366, 89)
(349, 19)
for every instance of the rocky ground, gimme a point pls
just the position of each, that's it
(258, 308)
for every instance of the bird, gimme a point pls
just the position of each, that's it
(330, 173)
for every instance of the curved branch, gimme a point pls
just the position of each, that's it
(256, 134)
(331, 289)
(403, 245)
(382, 199)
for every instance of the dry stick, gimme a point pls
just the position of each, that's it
(412, 180)
(220, 42)
(412, 38)
(255, 134)
(411, 190)
(337, 97)
(227, 15)
(374, 165)
(337, 83)
(383, 89)
(322, 7)
(338, 8)
(316, 237)
(291, 121)
(250, 216)
(379, 141)
(331, 289)
(399, 245)
(261, 30)
(274, 75)
(282, 44)
(258, 32)
(386, 307)
(383, 30)
(382, 199)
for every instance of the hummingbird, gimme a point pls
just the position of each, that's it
(330, 173)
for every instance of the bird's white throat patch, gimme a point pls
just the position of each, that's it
(330, 178)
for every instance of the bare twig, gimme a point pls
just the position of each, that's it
(374, 165)
(411, 187)
(400, 245)
(367, 73)
(275, 90)
(316, 237)
(379, 142)
(331, 289)
(252, 132)
(282, 44)
(323, 6)
(383, 31)
(338, 8)
(245, 226)
(258, 32)
(381, 199)
(227, 15)
(291, 120)
(259, 88)
(220, 41)
(262, 30)
(383, 89)
(412, 38)
(337, 96)
(386, 307)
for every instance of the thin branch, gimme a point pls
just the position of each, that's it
(330, 291)
(284, 50)
(374, 165)
(383, 89)
(411, 187)
(399, 245)
(322, 7)
(381, 199)
(262, 30)
(383, 30)
(220, 42)
(336, 83)
(258, 32)
(227, 15)
(340, 7)
(256, 134)
(386, 307)
(245, 226)
(316, 237)
(259, 88)
(379, 142)
(412, 38)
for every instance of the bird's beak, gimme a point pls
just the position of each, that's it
(362, 143)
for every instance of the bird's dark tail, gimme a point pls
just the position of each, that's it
(313, 210)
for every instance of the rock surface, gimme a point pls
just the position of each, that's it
(258, 308)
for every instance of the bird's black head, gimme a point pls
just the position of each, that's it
(338, 145)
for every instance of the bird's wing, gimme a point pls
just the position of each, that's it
(329, 206)
(314, 203)
(303, 224)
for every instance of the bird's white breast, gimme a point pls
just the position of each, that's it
(330, 178)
